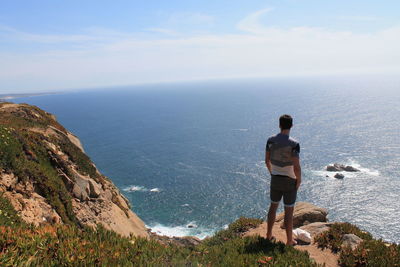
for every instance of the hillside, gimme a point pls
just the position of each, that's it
(48, 178)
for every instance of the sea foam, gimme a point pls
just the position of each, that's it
(181, 230)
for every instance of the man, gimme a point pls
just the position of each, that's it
(282, 160)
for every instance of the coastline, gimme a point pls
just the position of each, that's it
(7, 97)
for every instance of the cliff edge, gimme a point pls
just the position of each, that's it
(48, 178)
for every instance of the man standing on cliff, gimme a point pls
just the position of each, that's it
(283, 163)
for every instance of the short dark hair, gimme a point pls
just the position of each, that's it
(285, 122)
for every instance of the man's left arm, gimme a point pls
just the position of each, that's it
(268, 156)
(296, 165)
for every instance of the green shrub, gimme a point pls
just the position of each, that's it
(235, 229)
(333, 237)
(8, 216)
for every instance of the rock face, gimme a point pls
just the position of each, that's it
(340, 167)
(52, 180)
(305, 213)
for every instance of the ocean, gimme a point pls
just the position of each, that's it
(190, 156)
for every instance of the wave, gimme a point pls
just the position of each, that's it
(139, 188)
(155, 190)
(240, 129)
(189, 229)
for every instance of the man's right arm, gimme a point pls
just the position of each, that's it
(268, 161)
(297, 171)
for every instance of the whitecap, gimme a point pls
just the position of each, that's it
(363, 169)
(181, 230)
(353, 163)
(241, 129)
(157, 190)
(135, 188)
(185, 205)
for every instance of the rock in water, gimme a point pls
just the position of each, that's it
(340, 167)
(339, 176)
(304, 211)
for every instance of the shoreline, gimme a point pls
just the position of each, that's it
(7, 97)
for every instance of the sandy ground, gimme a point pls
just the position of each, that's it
(320, 256)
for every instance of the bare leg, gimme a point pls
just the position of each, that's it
(271, 218)
(289, 225)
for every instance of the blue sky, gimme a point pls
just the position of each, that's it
(56, 45)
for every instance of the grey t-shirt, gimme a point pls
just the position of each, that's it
(282, 148)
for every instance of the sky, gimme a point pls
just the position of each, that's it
(54, 45)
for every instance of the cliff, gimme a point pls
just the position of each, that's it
(48, 179)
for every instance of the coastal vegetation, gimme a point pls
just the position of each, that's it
(69, 245)
(370, 252)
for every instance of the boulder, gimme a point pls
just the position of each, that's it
(316, 228)
(339, 176)
(340, 167)
(351, 240)
(303, 212)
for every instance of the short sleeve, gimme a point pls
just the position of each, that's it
(296, 151)
(268, 146)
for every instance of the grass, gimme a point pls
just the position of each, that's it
(69, 245)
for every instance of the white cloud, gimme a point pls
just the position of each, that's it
(261, 51)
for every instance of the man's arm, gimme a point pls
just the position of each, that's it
(297, 171)
(268, 161)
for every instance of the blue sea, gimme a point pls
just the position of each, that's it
(190, 156)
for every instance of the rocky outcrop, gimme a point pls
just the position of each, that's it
(305, 213)
(351, 240)
(340, 167)
(31, 206)
(53, 180)
(185, 241)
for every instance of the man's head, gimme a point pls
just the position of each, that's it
(285, 122)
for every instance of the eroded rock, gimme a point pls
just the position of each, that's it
(303, 212)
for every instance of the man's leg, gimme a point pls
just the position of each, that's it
(271, 218)
(289, 225)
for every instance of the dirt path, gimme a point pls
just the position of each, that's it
(320, 256)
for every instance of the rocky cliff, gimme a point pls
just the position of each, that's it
(48, 178)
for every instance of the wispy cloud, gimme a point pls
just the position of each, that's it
(163, 31)
(128, 58)
(251, 23)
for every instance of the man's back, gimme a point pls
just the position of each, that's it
(282, 149)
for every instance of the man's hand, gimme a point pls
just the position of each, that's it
(298, 182)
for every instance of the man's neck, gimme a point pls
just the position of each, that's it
(285, 132)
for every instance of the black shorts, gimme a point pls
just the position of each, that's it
(283, 186)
